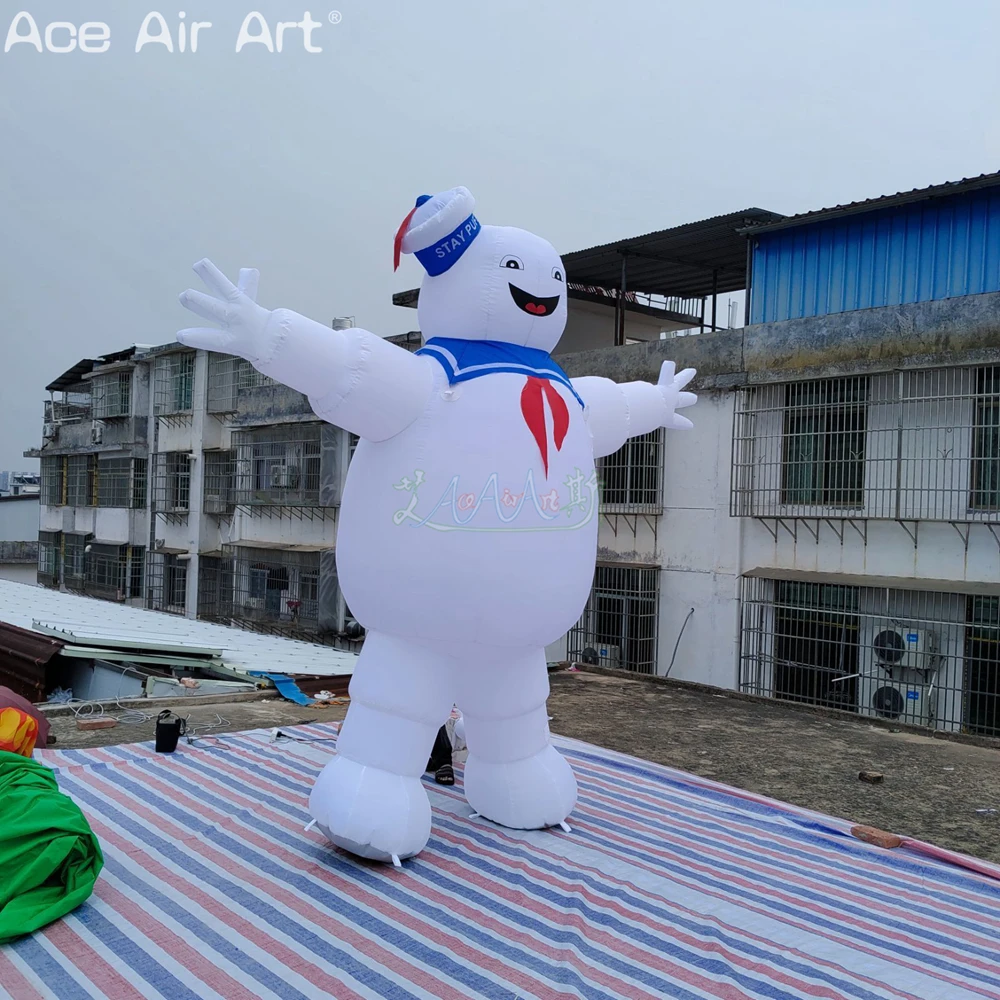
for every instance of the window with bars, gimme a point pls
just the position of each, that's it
(107, 571)
(823, 461)
(279, 466)
(275, 587)
(80, 481)
(632, 478)
(52, 481)
(114, 482)
(75, 560)
(166, 581)
(174, 384)
(111, 395)
(48, 558)
(220, 482)
(619, 624)
(140, 473)
(985, 478)
(816, 629)
(173, 482)
(917, 657)
(982, 666)
(137, 572)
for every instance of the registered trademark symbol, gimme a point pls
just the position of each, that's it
(335, 17)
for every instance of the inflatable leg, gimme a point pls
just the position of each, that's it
(513, 775)
(369, 799)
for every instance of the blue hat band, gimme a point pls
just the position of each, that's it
(438, 258)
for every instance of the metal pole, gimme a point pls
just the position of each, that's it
(715, 295)
(620, 312)
(702, 315)
(749, 282)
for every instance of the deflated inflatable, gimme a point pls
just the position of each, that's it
(468, 526)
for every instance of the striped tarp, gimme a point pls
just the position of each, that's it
(667, 886)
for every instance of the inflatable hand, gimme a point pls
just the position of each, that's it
(246, 330)
(671, 387)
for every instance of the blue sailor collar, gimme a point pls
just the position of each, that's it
(463, 360)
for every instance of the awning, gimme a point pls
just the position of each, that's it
(971, 589)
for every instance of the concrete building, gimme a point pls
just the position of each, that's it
(187, 482)
(829, 534)
(19, 483)
(19, 537)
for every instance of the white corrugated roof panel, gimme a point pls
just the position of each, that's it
(89, 621)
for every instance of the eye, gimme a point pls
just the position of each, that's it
(514, 263)
(557, 273)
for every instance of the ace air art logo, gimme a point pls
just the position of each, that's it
(158, 32)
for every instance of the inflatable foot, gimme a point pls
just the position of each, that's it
(369, 812)
(526, 794)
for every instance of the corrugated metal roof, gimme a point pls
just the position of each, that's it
(946, 190)
(24, 655)
(674, 262)
(87, 620)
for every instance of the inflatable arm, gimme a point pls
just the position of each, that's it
(353, 378)
(616, 412)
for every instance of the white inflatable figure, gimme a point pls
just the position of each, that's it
(468, 524)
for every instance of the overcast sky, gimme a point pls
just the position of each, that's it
(585, 121)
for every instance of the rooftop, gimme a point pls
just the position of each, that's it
(78, 620)
(689, 261)
(947, 190)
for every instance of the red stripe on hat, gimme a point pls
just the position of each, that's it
(397, 246)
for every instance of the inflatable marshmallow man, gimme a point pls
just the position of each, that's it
(469, 519)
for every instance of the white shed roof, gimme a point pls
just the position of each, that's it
(90, 621)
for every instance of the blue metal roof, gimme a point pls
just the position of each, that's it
(933, 243)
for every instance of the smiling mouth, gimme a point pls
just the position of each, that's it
(531, 303)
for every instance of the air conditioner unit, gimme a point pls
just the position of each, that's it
(159, 543)
(279, 477)
(49, 431)
(97, 432)
(898, 701)
(902, 648)
(215, 505)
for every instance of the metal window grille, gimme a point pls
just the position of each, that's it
(278, 466)
(619, 624)
(632, 478)
(112, 395)
(922, 658)
(247, 377)
(172, 482)
(271, 586)
(986, 442)
(137, 571)
(69, 407)
(919, 444)
(220, 482)
(140, 473)
(166, 582)
(114, 482)
(48, 558)
(74, 560)
(352, 446)
(80, 481)
(222, 383)
(107, 571)
(173, 381)
(52, 480)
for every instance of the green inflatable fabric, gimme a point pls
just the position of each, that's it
(49, 856)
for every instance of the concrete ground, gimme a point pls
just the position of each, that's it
(931, 790)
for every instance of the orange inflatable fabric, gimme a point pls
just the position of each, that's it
(18, 732)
